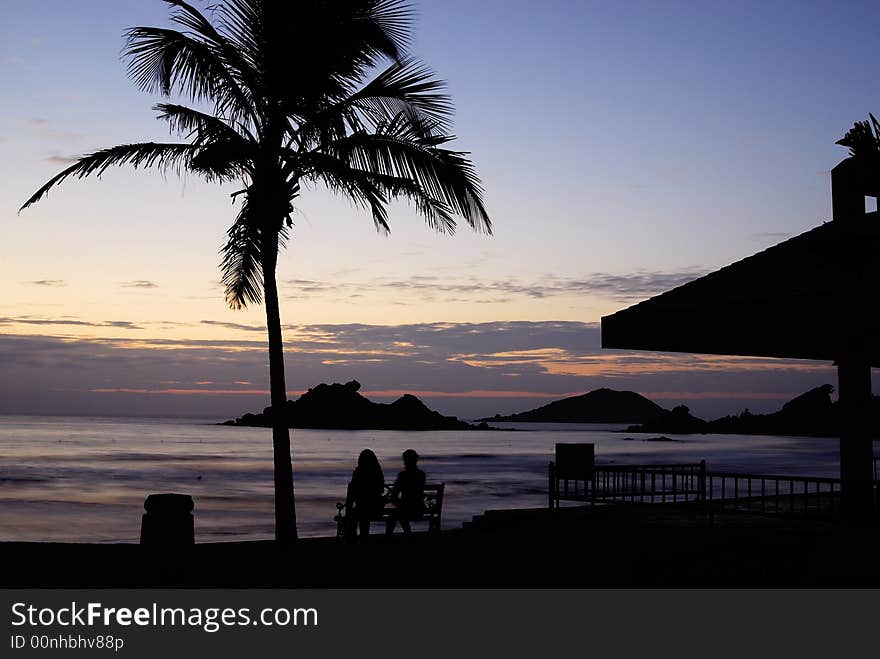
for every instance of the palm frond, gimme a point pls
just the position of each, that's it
(187, 16)
(242, 22)
(406, 87)
(399, 149)
(200, 127)
(393, 21)
(232, 57)
(163, 61)
(243, 254)
(362, 188)
(240, 267)
(222, 161)
(340, 40)
(373, 190)
(146, 154)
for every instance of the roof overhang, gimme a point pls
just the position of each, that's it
(813, 296)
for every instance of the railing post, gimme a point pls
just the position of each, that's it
(701, 486)
(593, 482)
(552, 485)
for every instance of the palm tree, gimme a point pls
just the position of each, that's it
(863, 140)
(294, 97)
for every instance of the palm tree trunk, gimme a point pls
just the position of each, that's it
(285, 509)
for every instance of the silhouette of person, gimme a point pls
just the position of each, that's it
(365, 497)
(407, 494)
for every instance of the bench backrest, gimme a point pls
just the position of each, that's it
(433, 496)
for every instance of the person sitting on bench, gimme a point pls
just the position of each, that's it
(407, 494)
(364, 499)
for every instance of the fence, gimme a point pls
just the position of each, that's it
(806, 496)
(711, 491)
(654, 483)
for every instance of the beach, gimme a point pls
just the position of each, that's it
(606, 546)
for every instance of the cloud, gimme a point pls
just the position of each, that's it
(124, 324)
(635, 285)
(447, 363)
(14, 60)
(63, 161)
(139, 283)
(72, 322)
(308, 287)
(621, 287)
(52, 283)
(45, 129)
(234, 326)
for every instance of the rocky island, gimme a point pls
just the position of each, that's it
(341, 406)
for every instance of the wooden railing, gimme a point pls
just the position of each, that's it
(649, 483)
(711, 491)
(661, 483)
(805, 496)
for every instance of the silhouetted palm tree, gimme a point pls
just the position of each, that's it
(863, 140)
(296, 99)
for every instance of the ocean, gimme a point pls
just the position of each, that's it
(84, 479)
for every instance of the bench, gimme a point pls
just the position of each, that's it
(433, 500)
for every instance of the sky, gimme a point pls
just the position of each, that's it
(625, 148)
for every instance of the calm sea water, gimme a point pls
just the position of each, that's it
(85, 479)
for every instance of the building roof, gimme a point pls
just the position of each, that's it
(813, 296)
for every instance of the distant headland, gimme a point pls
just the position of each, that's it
(599, 406)
(810, 414)
(340, 406)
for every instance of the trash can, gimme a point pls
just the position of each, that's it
(168, 521)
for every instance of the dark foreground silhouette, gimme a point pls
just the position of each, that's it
(364, 499)
(340, 406)
(289, 96)
(608, 546)
(407, 494)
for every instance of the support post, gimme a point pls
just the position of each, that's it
(847, 191)
(856, 444)
(701, 483)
